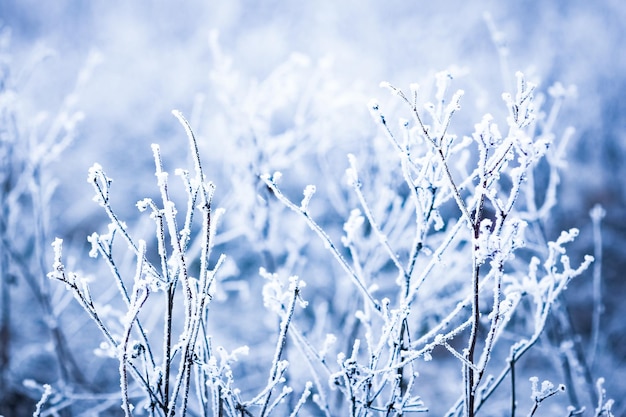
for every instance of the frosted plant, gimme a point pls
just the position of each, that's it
(190, 367)
(166, 383)
(441, 259)
(447, 235)
(538, 395)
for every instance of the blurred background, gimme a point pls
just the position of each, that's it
(101, 78)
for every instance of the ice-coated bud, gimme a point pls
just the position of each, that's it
(276, 176)
(354, 222)
(94, 172)
(597, 213)
(143, 204)
(352, 174)
(94, 239)
(308, 194)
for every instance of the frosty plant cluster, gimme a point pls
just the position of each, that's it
(443, 248)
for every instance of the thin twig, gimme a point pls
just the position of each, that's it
(280, 344)
(325, 238)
